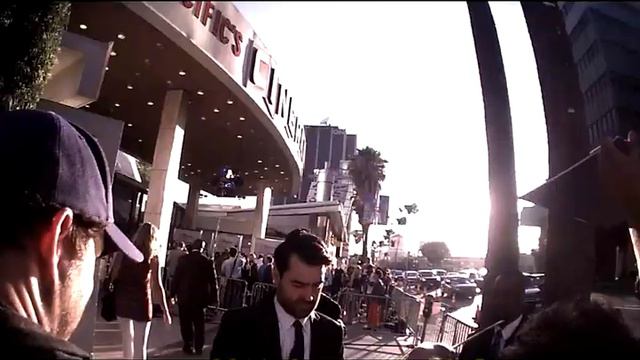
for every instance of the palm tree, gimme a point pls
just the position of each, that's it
(32, 33)
(367, 172)
(502, 251)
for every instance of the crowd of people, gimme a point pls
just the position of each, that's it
(61, 220)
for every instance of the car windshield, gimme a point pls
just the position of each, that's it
(425, 273)
(459, 281)
(411, 274)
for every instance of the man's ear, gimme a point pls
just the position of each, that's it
(276, 275)
(51, 242)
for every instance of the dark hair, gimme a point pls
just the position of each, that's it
(233, 251)
(269, 259)
(26, 221)
(198, 244)
(581, 329)
(308, 247)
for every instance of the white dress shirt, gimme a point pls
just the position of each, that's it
(288, 333)
(227, 265)
(509, 330)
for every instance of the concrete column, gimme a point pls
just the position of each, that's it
(166, 165)
(261, 214)
(191, 214)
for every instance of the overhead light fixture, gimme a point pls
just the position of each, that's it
(261, 177)
(188, 164)
(239, 136)
(286, 179)
(276, 165)
(216, 110)
(116, 105)
(87, 106)
(276, 180)
(106, 68)
(182, 73)
(203, 118)
(129, 124)
(169, 82)
(113, 53)
(242, 118)
(259, 161)
(255, 171)
(130, 87)
(230, 102)
(228, 123)
(150, 103)
(121, 36)
(281, 172)
(200, 92)
(198, 170)
(139, 140)
(266, 169)
(182, 167)
(83, 26)
(192, 173)
(246, 173)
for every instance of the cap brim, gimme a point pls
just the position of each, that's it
(122, 242)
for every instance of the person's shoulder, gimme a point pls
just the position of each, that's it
(326, 322)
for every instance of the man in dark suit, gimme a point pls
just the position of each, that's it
(195, 286)
(287, 325)
(508, 293)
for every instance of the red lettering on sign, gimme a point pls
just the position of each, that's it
(207, 13)
(225, 24)
(197, 8)
(187, 4)
(237, 38)
(215, 29)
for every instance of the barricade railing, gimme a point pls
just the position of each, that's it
(233, 293)
(354, 306)
(260, 290)
(453, 331)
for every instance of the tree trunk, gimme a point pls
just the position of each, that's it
(502, 251)
(365, 240)
(30, 34)
(569, 258)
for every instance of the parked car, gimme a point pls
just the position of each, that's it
(431, 283)
(397, 275)
(426, 274)
(459, 286)
(440, 272)
(411, 277)
(533, 289)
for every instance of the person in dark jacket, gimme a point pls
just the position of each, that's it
(59, 219)
(195, 287)
(287, 325)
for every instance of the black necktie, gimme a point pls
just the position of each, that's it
(297, 352)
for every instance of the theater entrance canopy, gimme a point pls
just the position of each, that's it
(239, 112)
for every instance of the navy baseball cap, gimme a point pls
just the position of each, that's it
(53, 162)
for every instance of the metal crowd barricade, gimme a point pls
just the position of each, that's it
(354, 306)
(453, 331)
(260, 290)
(233, 295)
(409, 308)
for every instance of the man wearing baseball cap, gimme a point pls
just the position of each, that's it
(56, 219)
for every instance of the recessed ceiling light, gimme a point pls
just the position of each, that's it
(250, 187)
(169, 82)
(192, 173)
(242, 118)
(139, 140)
(150, 103)
(121, 36)
(259, 161)
(200, 92)
(137, 74)
(203, 118)
(255, 171)
(87, 106)
(261, 177)
(116, 105)
(228, 123)
(276, 180)
(106, 68)
(239, 136)
(159, 45)
(182, 167)
(230, 102)
(281, 172)
(130, 87)
(83, 26)
(188, 164)
(286, 178)
(198, 170)
(246, 173)
(216, 110)
(129, 124)
(182, 73)
(113, 53)
(276, 165)
(266, 169)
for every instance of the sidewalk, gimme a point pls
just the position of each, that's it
(163, 340)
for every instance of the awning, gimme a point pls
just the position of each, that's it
(591, 205)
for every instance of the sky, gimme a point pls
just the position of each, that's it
(403, 76)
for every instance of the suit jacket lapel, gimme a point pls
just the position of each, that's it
(316, 338)
(270, 331)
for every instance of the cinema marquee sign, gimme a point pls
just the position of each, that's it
(219, 30)
(218, 24)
